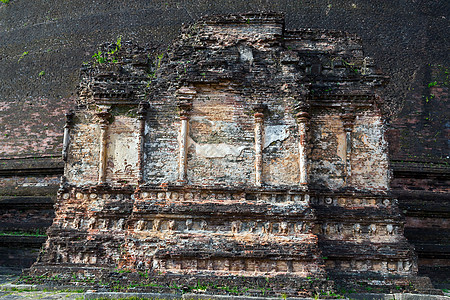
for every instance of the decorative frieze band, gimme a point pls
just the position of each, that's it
(219, 196)
(253, 267)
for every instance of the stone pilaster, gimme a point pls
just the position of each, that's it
(185, 95)
(259, 143)
(104, 116)
(302, 121)
(348, 123)
(66, 139)
(142, 112)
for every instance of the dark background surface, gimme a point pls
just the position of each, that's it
(409, 40)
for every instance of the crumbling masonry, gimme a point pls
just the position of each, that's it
(245, 150)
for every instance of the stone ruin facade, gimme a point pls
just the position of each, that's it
(245, 151)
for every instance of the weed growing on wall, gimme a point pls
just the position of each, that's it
(104, 57)
(156, 66)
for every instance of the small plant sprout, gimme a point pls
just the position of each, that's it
(99, 57)
(25, 53)
(5, 1)
(431, 84)
(158, 62)
(41, 73)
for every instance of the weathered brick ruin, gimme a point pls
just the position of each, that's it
(245, 151)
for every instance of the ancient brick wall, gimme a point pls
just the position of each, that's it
(369, 163)
(245, 150)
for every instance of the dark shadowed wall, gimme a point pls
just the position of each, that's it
(43, 44)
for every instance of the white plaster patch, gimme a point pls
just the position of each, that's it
(147, 128)
(123, 148)
(246, 55)
(215, 150)
(202, 119)
(275, 133)
(26, 184)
